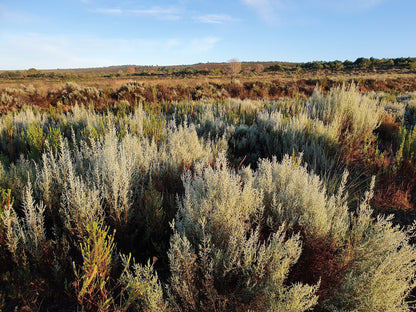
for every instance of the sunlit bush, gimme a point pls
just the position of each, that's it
(224, 205)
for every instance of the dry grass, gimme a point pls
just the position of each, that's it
(99, 81)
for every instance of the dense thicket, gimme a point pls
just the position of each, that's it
(363, 63)
(209, 205)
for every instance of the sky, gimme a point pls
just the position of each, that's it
(46, 34)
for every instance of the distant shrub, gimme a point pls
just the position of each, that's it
(354, 116)
(132, 91)
(72, 93)
(11, 98)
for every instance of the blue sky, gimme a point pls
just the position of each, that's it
(93, 33)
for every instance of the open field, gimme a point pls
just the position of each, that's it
(285, 190)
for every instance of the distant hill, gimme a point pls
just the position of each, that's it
(217, 69)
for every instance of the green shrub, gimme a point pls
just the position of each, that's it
(92, 279)
(407, 149)
(143, 290)
(54, 137)
(153, 127)
(35, 140)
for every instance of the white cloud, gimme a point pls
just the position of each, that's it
(156, 11)
(161, 13)
(215, 19)
(109, 11)
(168, 13)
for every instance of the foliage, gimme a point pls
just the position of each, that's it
(143, 289)
(92, 278)
(35, 140)
(407, 150)
(363, 64)
(239, 204)
(299, 199)
(352, 115)
(218, 225)
(380, 274)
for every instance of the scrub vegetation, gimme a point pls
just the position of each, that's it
(194, 198)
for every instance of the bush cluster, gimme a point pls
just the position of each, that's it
(209, 205)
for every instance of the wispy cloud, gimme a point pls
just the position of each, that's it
(44, 51)
(215, 19)
(202, 45)
(170, 13)
(275, 11)
(156, 11)
(266, 9)
(14, 17)
(352, 5)
(109, 11)
(159, 12)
